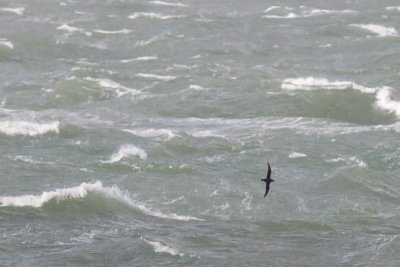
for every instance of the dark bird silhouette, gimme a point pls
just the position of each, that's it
(267, 180)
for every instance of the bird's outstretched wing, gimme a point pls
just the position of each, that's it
(269, 172)
(266, 189)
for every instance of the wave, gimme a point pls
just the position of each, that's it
(165, 133)
(144, 58)
(175, 4)
(305, 12)
(295, 155)
(82, 191)
(158, 247)
(6, 43)
(311, 83)
(381, 31)
(126, 151)
(382, 94)
(197, 87)
(356, 162)
(109, 84)
(71, 29)
(30, 159)
(206, 134)
(152, 15)
(17, 10)
(397, 8)
(156, 77)
(28, 128)
(123, 31)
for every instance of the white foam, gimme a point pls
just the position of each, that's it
(393, 8)
(126, 151)
(295, 155)
(71, 29)
(17, 10)
(271, 8)
(28, 128)
(320, 12)
(151, 40)
(82, 191)
(158, 247)
(382, 94)
(116, 87)
(123, 31)
(311, 83)
(163, 3)
(386, 103)
(152, 15)
(164, 133)
(207, 133)
(381, 31)
(6, 43)
(358, 163)
(144, 58)
(156, 77)
(305, 12)
(290, 15)
(197, 87)
(29, 159)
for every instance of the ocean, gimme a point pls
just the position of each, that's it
(135, 133)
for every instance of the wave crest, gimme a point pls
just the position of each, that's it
(126, 151)
(81, 191)
(382, 94)
(28, 128)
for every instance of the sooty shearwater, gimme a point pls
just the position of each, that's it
(267, 180)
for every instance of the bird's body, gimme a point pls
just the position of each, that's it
(267, 180)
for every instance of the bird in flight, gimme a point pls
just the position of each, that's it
(267, 180)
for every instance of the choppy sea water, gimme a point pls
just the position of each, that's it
(135, 133)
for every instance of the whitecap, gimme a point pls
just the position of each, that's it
(156, 77)
(71, 29)
(151, 40)
(153, 15)
(28, 128)
(386, 103)
(295, 155)
(163, 3)
(158, 247)
(271, 8)
(29, 159)
(312, 83)
(397, 8)
(382, 94)
(290, 15)
(197, 87)
(164, 133)
(109, 84)
(144, 58)
(126, 151)
(305, 12)
(207, 133)
(123, 31)
(82, 191)
(380, 30)
(6, 43)
(356, 162)
(17, 10)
